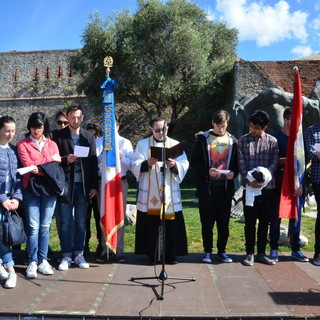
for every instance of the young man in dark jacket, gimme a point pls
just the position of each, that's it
(82, 179)
(215, 163)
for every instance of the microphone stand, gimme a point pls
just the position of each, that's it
(163, 276)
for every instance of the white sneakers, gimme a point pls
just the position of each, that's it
(3, 273)
(32, 270)
(81, 262)
(78, 260)
(10, 277)
(11, 280)
(45, 268)
(65, 264)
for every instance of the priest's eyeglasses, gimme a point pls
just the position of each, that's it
(158, 130)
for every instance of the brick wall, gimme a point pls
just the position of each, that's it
(282, 73)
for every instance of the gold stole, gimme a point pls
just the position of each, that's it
(154, 203)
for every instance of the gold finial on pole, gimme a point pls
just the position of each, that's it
(108, 63)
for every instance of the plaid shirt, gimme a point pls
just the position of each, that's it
(254, 152)
(312, 136)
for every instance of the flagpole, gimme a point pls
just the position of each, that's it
(111, 205)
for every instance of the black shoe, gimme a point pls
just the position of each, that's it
(262, 258)
(171, 260)
(119, 257)
(103, 257)
(99, 249)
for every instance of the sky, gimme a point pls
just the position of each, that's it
(269, 30)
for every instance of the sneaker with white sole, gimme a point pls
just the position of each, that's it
(248, 260)
(65, 264)
(81, 262)
(45, 268)
(224, 258)
(32, 270)
(207, 258)
(298, 255)
(274, 255)
(11, 281)
(3, 273)
(262, 258)
(316, 259)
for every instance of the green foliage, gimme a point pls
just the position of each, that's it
(167, 55)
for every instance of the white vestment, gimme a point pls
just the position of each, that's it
(141, 154)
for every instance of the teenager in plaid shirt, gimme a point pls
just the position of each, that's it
(257, 148)
(312, 136)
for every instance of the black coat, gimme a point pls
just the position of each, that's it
(89, 165)
(200, 164)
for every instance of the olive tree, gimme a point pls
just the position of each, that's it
(167, 55)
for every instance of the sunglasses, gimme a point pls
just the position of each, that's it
(158, 130)
(62, 123)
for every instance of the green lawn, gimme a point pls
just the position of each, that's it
(191, 215)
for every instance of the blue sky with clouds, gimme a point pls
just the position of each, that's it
(268, 29)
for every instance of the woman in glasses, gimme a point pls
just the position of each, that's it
(61, 120)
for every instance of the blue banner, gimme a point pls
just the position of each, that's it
(109, 125)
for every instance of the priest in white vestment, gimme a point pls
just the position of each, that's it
(149, 173)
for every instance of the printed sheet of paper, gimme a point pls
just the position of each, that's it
(224, 171)
(25, 170)
(81, 152)
(173, 152)
(316, 146)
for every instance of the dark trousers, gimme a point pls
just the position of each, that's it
(294, 225)
(215, 209)
(93, 206)
(261, 210)
(316, 191)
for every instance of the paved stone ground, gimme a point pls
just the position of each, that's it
(288, 289)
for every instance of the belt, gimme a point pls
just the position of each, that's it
(123, 177)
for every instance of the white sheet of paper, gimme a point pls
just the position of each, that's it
(316, 146)
(81, 152)
(224, 171)
(25, 170)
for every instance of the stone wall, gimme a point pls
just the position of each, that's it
(38, 81)
(248, 80)
(20, 110)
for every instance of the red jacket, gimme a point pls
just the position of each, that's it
(29, 154)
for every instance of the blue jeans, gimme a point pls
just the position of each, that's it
(5, 252)
(38, 212)
(66, 211)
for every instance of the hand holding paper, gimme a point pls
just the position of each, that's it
(224, 171)
(81, 152)
(25, 170)
(317, 147)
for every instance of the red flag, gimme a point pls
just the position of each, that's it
(295, 162)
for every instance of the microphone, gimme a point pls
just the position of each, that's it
(164, 130)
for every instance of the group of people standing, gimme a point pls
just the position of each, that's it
(217, 159)
(260, 158)
(42, 151)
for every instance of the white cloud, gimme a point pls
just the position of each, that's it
(316, 23)
(210, 14)
(301, 51)
(262, 23)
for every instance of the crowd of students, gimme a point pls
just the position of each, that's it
(217, 159)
